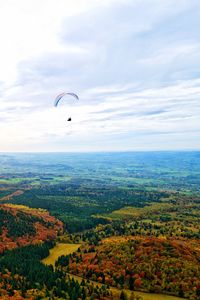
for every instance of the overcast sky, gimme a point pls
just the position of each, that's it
(134, 64)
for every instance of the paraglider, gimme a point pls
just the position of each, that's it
(60, 96)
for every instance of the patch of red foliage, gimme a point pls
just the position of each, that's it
(142, 263)
(46, 229)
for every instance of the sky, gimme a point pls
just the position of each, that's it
(134, 64)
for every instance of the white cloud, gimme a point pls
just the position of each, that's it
(159, 113)
(29, 29)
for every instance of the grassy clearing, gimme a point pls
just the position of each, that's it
(130, 211)
(58, 250)
(33, 180)
(61, 178)
(17, 180)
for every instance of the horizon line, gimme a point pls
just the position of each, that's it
(100, 151)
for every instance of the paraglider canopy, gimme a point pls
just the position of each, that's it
(60, 96)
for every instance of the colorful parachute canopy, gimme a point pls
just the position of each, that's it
(60, 96)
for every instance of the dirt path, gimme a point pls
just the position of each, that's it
(116, 292)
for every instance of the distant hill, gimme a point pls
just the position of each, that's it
(21, 226)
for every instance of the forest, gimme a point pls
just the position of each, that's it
(135, 215)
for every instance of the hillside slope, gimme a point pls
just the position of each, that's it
(148, 264)
(21, 226)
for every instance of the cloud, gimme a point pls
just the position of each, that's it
(129, 43)
(132, 120)
(30, 29)
(134, 65)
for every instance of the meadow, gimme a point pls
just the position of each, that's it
(59, 250)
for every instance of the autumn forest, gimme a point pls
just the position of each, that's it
(100, 226)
